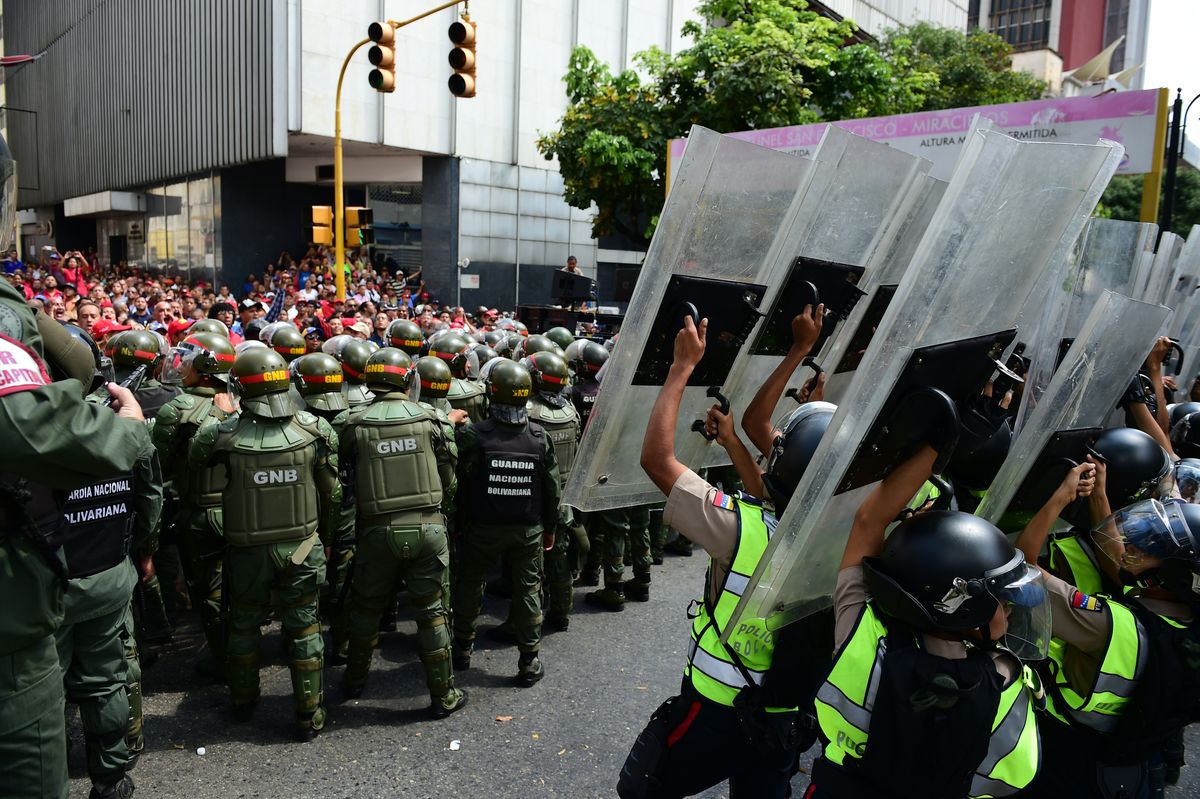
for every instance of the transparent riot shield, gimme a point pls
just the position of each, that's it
(1106, 257)
(1060, 427)
(1184, 296)
(1011, 209)
(848, 345)
(856, 203)
(720, 233)
(1163, 268)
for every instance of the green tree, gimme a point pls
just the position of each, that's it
(754, 64)
(972, 68)
(1123, 200)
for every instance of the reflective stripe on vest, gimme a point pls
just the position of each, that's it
(1101, 707)
(1075, 562)
(710, 667)
(846, 700)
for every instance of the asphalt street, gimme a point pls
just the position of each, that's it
(565, 737)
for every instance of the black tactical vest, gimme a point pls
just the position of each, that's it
(99, 524)
(507, 488)
(583, 395)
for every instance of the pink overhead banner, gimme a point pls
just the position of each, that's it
(1126, 117)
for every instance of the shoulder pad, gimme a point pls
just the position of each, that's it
(536, 429)
(182, 400)
(308, 419)
(168, 413)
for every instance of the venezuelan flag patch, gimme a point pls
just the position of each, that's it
(1082, 601)
(722, 500)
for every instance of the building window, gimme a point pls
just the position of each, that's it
(972, 14)
(1024, 24)
(1116, 24)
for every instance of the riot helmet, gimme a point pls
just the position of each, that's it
(508, 388)
(259, 381)
(318, 378)
(456, 352)
(354, 356)
(560, 336)
(434, 376)
(390, 369)
(493, 337)
(521, 328)
(550, 376)
(79, 357)
(949, 572)
(242, 346)
(799, 435)
(983, 442)
(525, 347)
(286, 340)
(1187, 479)
(205, 353)
(1155, 545)
(209, 326)
(131, 349)
(1185, 436)
(590, 360)
(483, 353)
(334, 345)
(406, 335)
(1176, 411)
(1138, 468)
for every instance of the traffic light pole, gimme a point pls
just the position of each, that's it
(339, 198)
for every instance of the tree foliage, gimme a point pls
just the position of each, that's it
(1123, 200)
(754, 64)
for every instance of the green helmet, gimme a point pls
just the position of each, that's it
(390, 369)
(435, 376)
(354, 357)
(209, 326)
(484, 353)
(133, 348)
(492, 337)
(521, 328)
(318, 378)
(548, 371)
(207, 353)
(504, 344)
(260, 379)
(508, 389)
(456, 352)
(406, 334)
(287, 341)
(560, 336)
(590, 358)
(535, 343)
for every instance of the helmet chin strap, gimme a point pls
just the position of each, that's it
(1147, 579)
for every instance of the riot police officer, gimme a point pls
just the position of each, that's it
(465, 395)
(281, 499)
(285, 339)
(318, 378)
(508, 466)
(352, 354)
(550, 407)
(402, 468)
(107, 520)
(200, 364)
(41, 457)
(526, 346)
(133, 348)
(560, 336)
(591, 359)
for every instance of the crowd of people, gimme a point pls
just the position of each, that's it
(307, 459)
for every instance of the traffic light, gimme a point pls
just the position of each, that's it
(462, 58)
(358, 226)
(383, 57)
(322, 225)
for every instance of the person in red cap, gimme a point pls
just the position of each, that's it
(105, 328)
(176, 330)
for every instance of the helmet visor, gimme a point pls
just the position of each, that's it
(1145, 533)
(1187, 480)
(175, 363)
(1021, 592)
(472, 364)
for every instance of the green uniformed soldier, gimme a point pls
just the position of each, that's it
(508, 468)
(399, 459)
(524, 347)
(551, 408)
(41, 457)
(96, 651)
(319, 379)
(282, 492)
(465, 395)
(200, 363)
(405, 334)
(133, 348)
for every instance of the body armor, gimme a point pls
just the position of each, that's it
(507, 488)
(562, 425)
(396, 468)
(99, 525)
(468, 396)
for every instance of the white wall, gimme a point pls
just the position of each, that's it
(873, 16)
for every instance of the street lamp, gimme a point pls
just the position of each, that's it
(1175, 148)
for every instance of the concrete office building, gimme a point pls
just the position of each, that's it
(195, 134)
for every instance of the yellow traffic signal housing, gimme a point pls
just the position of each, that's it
(382, 56)
(322, 225)
(358, 226)
(462, 58)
